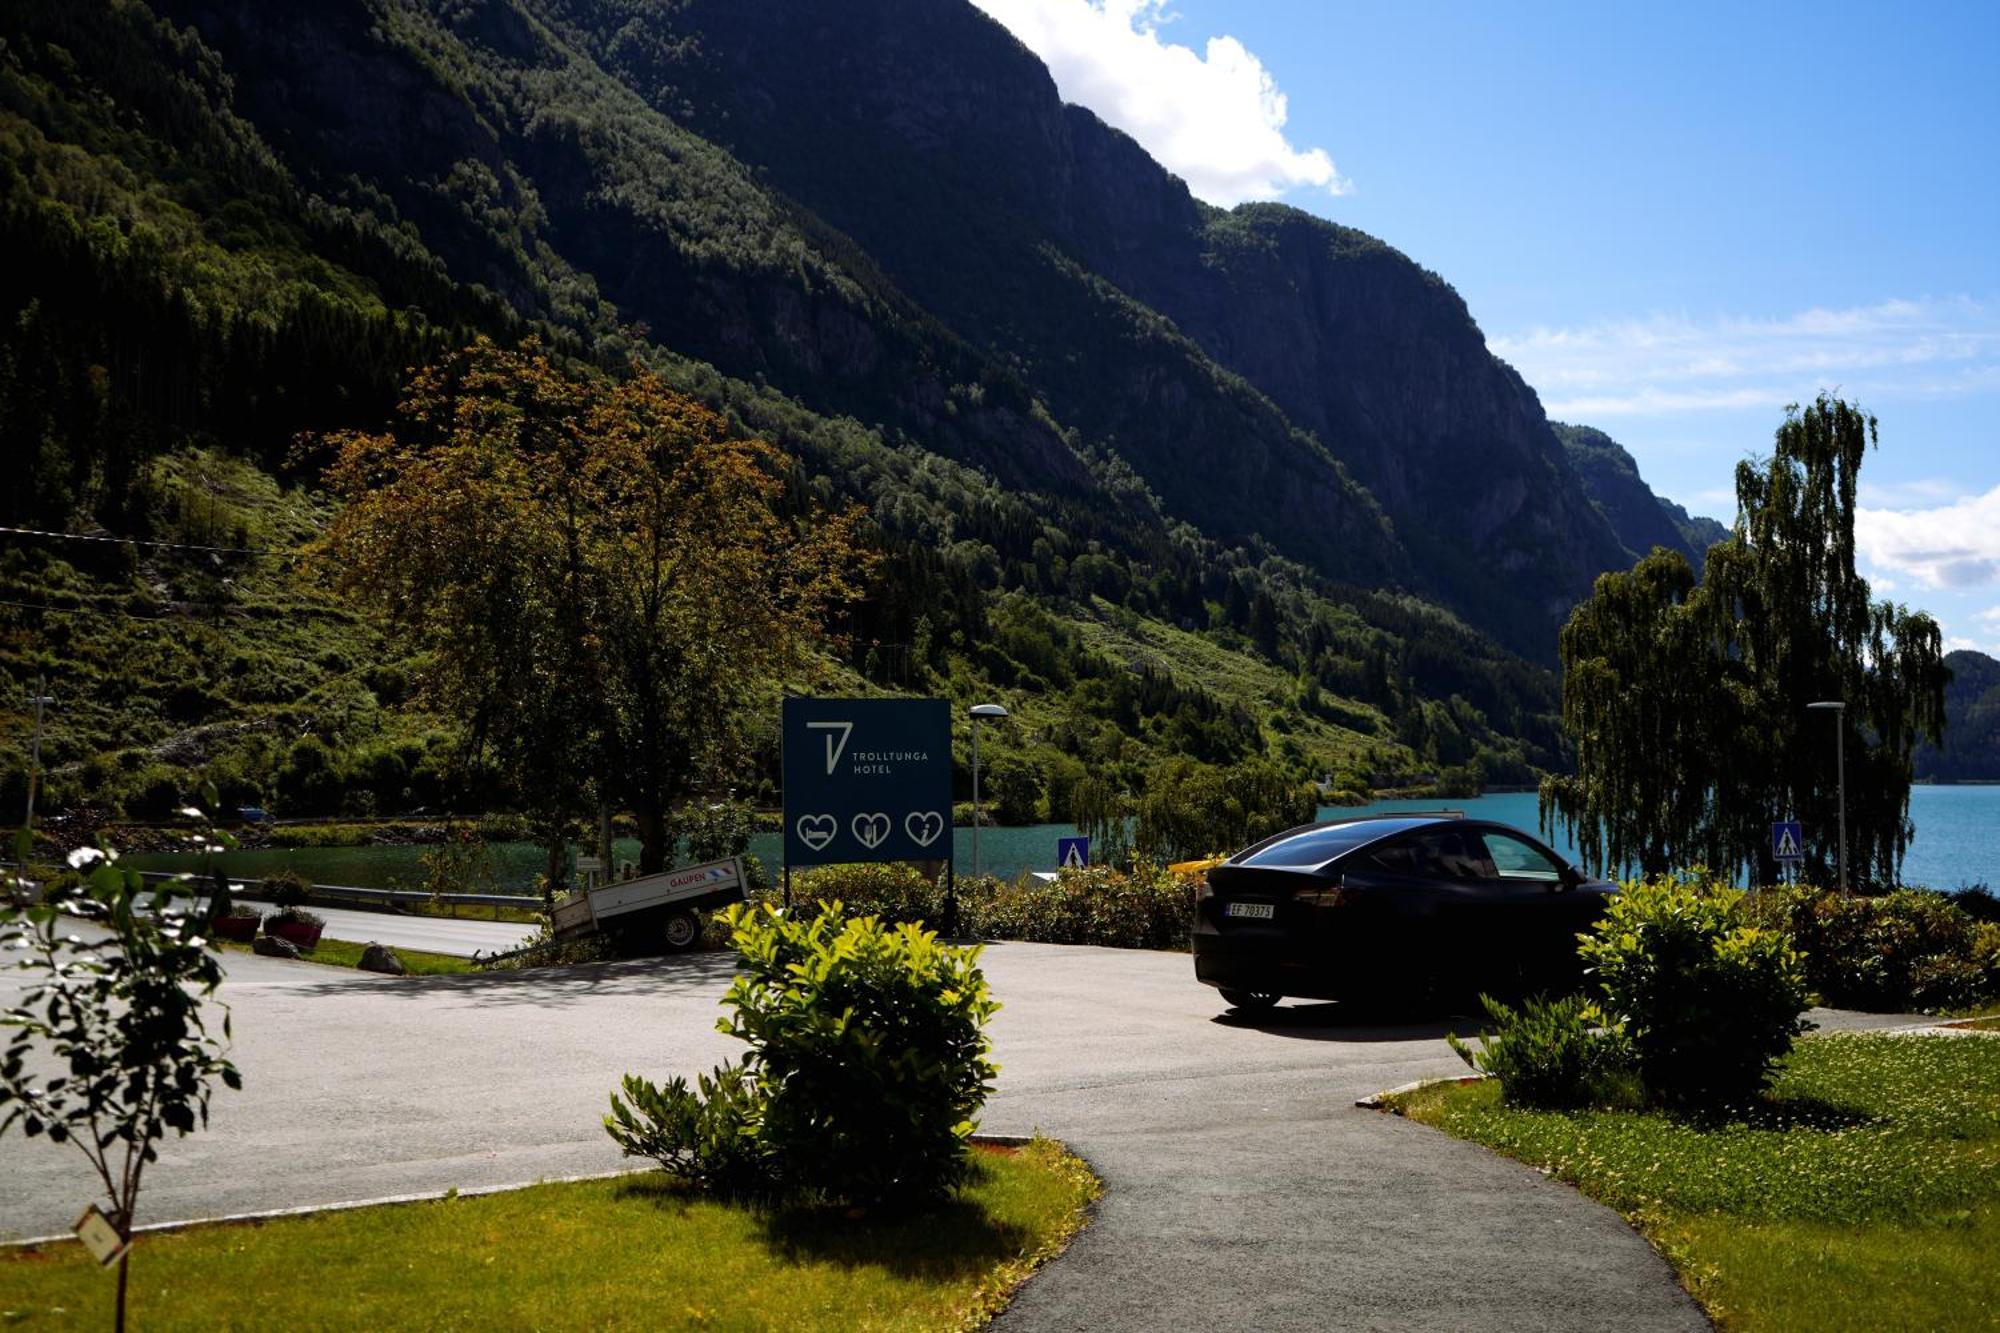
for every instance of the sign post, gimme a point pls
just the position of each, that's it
(869, 780)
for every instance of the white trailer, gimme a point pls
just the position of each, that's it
(662, 909)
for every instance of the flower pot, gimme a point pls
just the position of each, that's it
(295, 932)
(242, 929)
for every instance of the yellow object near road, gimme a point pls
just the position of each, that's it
(1196, 867)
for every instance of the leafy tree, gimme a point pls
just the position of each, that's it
(1191, 809)
(602, 577)
(1685, 699)
(120, 1014)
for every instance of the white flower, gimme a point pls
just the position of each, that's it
(85, 856)
(191, 811)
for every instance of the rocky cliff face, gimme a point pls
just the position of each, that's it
(1641, 519)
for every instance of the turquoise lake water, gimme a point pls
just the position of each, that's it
(1957, 842)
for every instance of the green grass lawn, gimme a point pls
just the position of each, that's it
(636, 1252)
(1865, 1193)
(346, 953)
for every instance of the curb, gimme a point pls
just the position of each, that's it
(1373, 1101)
(420, 1196)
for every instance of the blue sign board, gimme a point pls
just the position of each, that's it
(1072, 853)
(1788, 841)
(867, 780)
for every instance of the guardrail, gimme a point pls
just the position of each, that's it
(390, 896)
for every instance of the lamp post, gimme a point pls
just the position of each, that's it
(979, 711)
(40, 701)
(1838, 707)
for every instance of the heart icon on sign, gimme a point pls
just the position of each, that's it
(923, 826)
(816, 831)
(872, 830)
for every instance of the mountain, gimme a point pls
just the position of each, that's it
(1232, 358)
(1110, 436)
(1641, 519)
(1971, 751)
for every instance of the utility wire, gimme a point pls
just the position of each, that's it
(141, 541)
(124, 615)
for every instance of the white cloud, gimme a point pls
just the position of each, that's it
(1671, 364)
(1215, 118)
(1916, 493)
(1952, 546)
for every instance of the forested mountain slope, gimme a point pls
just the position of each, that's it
(1971, 749)
(1072, 397)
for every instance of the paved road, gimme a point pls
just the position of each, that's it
(461, 937)
(1245, 1190)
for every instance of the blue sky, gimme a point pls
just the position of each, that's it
(1673, 219)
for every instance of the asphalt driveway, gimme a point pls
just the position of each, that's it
(1244, 1188)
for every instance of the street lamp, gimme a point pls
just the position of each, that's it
(1838, 707)
(979, 711)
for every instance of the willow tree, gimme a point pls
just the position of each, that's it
(600, 576)
(1685, 700)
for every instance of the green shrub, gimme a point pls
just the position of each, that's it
(1708, 1001)
(1147, 907)
(1977, 901)
(706, 1135)
(1909, 949)
(866, 1064)
(1553, 1055)
(1986, 956)
(893, 892)
(285, 889)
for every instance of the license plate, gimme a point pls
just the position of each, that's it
(1255, 911)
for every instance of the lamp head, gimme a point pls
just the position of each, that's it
(1828, 705)
(988, 710)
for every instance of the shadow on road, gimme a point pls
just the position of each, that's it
(1339, 1022)
(690, 974)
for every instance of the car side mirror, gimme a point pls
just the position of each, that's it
(1569, 879)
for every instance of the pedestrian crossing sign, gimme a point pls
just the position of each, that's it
(1072, 853)
(1788, 841)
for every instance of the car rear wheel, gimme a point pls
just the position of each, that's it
(1251, 1001)
(681, 932)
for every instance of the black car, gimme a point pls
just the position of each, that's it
(1393, 906)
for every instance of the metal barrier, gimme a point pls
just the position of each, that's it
(248, 888)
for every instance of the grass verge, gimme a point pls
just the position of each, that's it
(1863, 1193)
(634, 1252)
(347, 953)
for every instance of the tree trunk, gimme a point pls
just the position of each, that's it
(655, 837)
(557, 872)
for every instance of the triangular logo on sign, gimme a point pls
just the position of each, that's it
(1788, 846)
(1074, 860)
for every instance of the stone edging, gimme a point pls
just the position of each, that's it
(1373, 1101)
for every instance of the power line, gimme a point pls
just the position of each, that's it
(124, 615)
(141, 541)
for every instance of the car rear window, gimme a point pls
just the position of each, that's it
(1317, 847)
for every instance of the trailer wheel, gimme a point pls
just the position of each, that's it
(681, 932)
